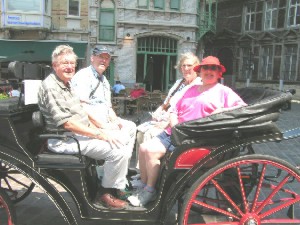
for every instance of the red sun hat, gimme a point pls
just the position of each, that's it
(210, 60)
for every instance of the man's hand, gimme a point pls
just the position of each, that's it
(117, 122)
(114, 143)
(110, 126)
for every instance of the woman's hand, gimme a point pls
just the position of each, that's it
(162, 124)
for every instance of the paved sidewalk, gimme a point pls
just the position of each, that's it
(38, 209)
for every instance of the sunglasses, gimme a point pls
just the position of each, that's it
(211, 67)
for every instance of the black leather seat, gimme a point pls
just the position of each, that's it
(50, 159)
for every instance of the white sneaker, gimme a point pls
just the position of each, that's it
(136, 177)
(142, 197)
(136, 184)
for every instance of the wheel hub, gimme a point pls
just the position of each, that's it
(250, 219)
(251, 222)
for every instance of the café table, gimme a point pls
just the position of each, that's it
(125, 100)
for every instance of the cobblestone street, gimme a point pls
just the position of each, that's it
(38, 209)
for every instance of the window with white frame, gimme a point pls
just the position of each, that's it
(143, 4)
(107, 21)
(250, 17)
(294, 13)
(246, 60)
(74, 8)
(265, 72)
(271, 14)
(290, 63)
(26, 6)
(159, 4)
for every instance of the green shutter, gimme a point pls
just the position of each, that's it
(107, 25)
(159, 4)
(175, 4)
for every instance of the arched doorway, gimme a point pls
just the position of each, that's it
(156, 58)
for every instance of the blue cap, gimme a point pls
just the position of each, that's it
(100, 50)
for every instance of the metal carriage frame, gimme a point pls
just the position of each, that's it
(206, 174)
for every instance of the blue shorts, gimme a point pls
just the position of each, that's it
(165, 139)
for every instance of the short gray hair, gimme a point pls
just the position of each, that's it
(62, 49)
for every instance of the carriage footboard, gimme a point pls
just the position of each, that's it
(293, 133)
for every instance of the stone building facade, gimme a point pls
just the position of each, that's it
(145, 36)
(148, 38)
(258, 42)
(31, 29)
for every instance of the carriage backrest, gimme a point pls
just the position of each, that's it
(256, 119)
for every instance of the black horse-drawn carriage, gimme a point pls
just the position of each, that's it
(213, 173)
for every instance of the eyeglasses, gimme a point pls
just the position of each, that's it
(186, 65)
(66, 63)
(211, 67)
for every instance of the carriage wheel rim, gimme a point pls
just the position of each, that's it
(5, 206)
(252, 217)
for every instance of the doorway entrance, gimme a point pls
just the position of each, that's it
(156, 58)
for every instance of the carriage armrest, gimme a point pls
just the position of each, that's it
(62, 137)
(59, 161)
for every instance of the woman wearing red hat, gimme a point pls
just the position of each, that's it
(197, 102)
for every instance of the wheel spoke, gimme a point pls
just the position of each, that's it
(242, 190)
(7, 183)
(13, 172)
(216, 209)
(275, 191)
(226, 196)
(258, 189)
(280, 207)
(19, 182)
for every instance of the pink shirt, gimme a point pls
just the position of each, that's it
(196, 105)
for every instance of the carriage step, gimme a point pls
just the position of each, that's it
(293, 133)
(58, 161)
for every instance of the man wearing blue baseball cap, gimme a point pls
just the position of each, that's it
(94, 92)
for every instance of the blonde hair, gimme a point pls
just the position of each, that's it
(62, 49)
(187, 55)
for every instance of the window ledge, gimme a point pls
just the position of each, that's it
(73, 18)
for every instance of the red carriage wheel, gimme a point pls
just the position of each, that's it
(7, 210)
(247, 190)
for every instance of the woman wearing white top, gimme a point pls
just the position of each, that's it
(160, 118)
